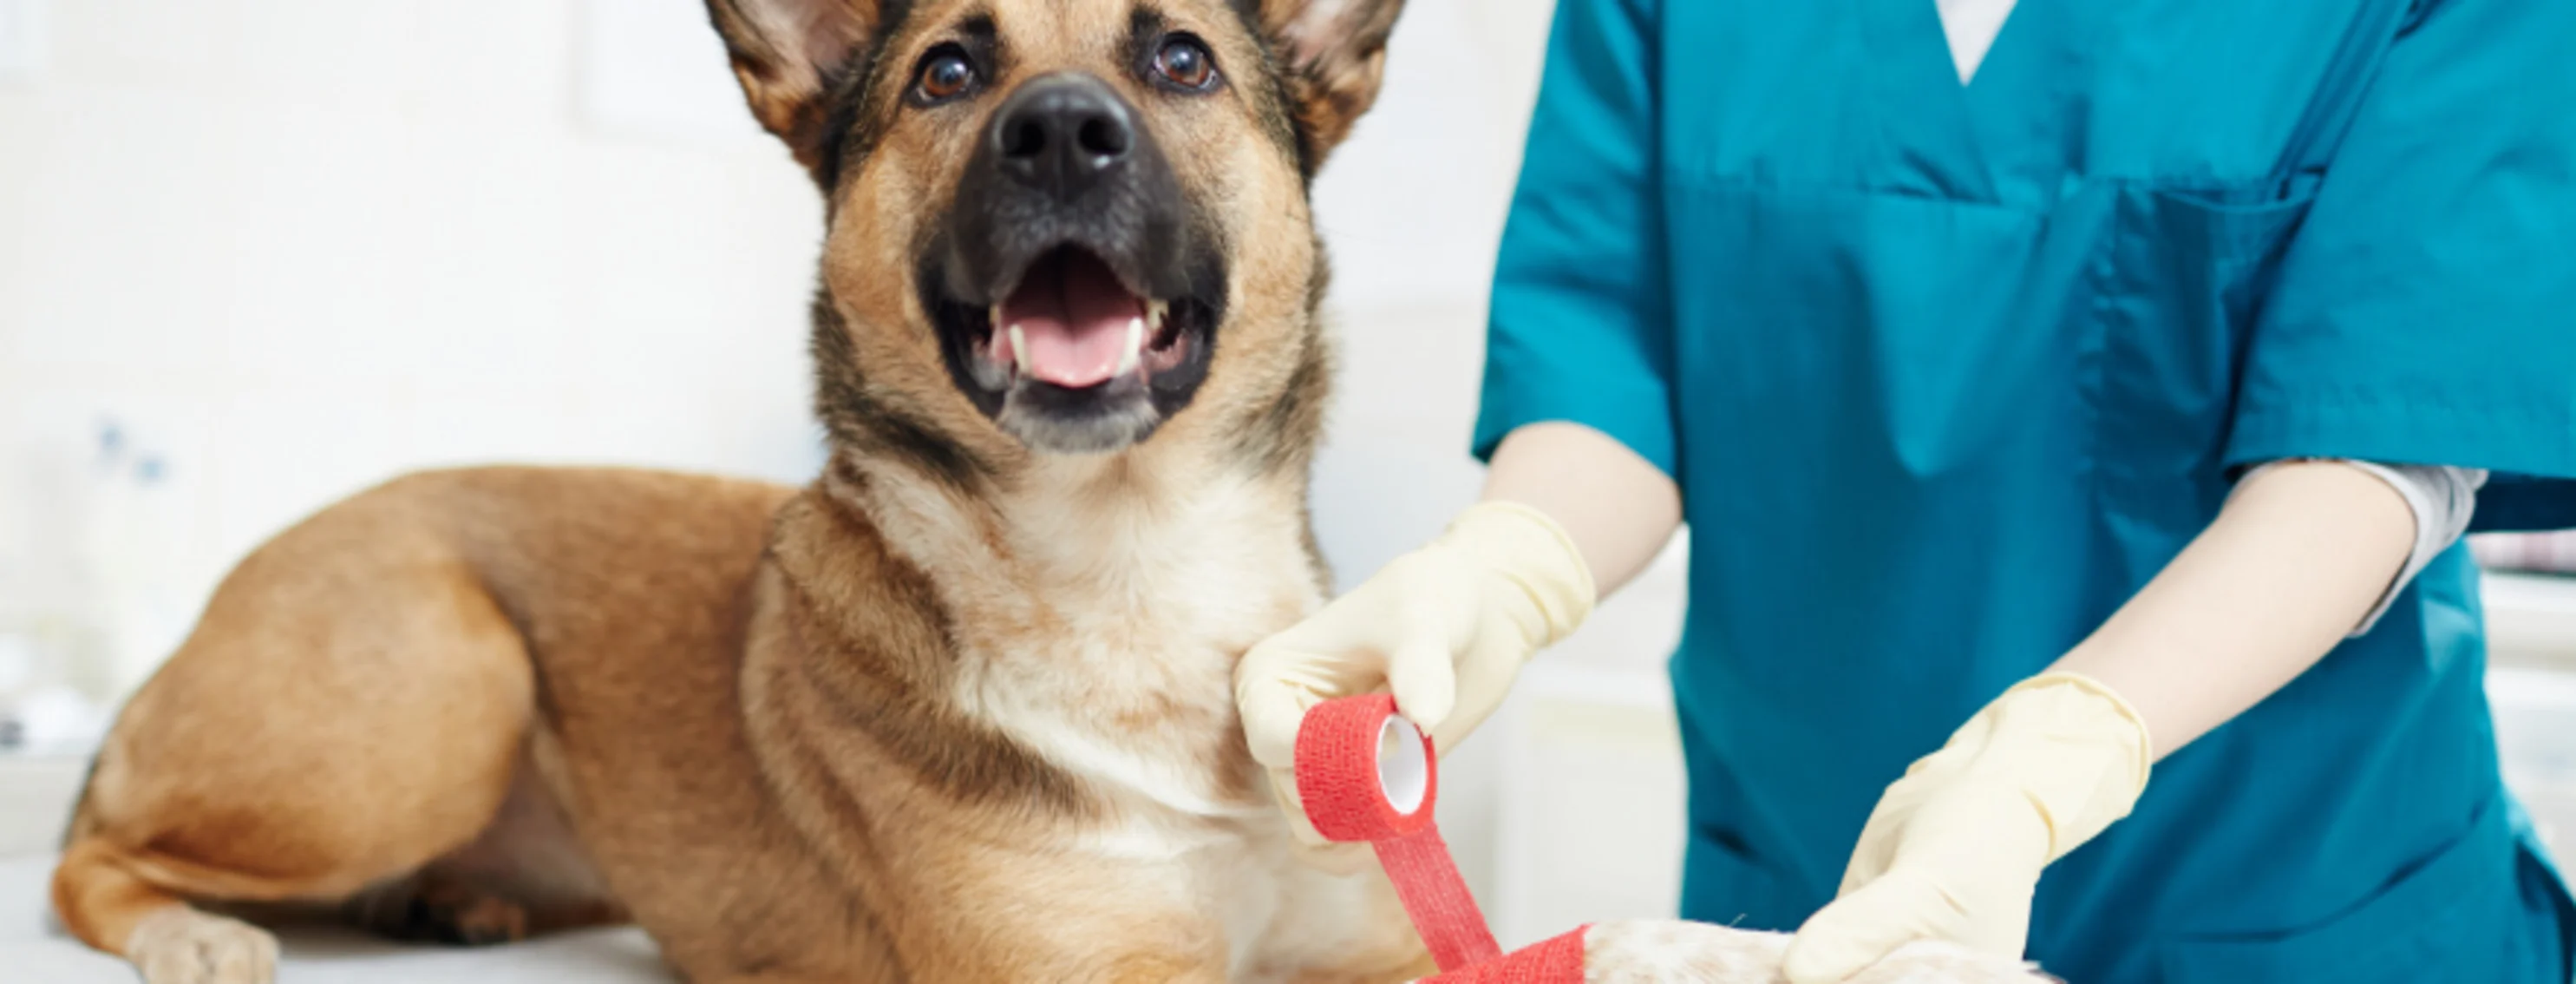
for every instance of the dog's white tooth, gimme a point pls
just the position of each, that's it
(1154, 312)
(1019, 347)
(1134, 351)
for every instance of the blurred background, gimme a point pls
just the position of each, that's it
(256, 255)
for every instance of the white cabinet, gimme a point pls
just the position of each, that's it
(36, 794)
(2531, 642)
(1589, 812)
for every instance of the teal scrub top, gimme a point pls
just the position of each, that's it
(1946, 373)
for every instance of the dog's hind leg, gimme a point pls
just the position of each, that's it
(524, 875)
(167, 940)
(352, 706)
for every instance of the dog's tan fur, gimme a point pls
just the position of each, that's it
(957, 711)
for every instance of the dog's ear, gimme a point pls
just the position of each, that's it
(789, 54)
(1335, 55)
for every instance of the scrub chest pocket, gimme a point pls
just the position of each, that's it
(2178, 285)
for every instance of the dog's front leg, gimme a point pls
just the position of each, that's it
(1644, 951)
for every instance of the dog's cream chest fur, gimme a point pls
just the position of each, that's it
(1099, 622)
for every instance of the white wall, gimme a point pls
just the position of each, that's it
(1412, 209)
(291, 247)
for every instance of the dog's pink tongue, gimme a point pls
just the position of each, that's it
(1073, 319)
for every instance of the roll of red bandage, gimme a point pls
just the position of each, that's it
(1368, 775)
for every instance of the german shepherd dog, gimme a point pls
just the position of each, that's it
(960, 709)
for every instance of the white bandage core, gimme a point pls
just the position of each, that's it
(1403, 771)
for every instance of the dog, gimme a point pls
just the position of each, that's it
(958, 710)
(961, 709)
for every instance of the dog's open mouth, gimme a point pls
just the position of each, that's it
(1074, 358)
(1073, 324)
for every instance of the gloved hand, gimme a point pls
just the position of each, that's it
(1955, 848)
(1445, 628)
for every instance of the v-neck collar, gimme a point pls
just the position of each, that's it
(1970, 27)
(1923, 110)
(2000, 138)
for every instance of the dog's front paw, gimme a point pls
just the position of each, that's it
(1663, 950)
(180, 945)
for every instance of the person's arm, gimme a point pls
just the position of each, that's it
(1568, 513)
(1617, 507)
(2300, 553)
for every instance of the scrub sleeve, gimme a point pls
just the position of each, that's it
(1580, 330)
(2426, 310)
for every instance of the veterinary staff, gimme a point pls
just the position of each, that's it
(2075, 433)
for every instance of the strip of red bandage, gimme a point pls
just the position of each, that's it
(1338, 776)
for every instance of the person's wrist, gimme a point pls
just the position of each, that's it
(1544, 573)
(2079, 751)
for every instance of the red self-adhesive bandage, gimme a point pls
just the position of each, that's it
(1366, 774)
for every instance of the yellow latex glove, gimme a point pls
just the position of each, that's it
(1445, 628)
(1955, 848)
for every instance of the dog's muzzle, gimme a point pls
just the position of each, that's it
(1076, 301)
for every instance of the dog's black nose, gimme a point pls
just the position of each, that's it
(1061, 133)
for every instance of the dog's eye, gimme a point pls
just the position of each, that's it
(1186, 63)
(944, 75)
